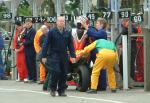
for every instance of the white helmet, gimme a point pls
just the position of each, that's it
(80, 19)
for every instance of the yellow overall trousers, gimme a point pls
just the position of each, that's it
(104, 59)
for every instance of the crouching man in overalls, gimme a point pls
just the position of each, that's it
(105, 58)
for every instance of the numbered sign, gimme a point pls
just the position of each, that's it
(51, 19)
(91, 16)
(31, 18)
(7, 15)
(41, 19)
(36, 20)
(137, 18)
(107, 15)
(19, 18)
(124, 14)
(67, 16)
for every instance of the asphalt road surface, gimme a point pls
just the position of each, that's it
(18, 92)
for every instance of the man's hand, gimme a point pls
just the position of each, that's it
(73, 60)
(44, 60)
(84, 24)
(17, 50)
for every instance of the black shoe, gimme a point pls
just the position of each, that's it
(62, 94)
(4, 78)
(44, 89)
(113, 90)
(29, 81)
(66, 86)
(92, 91)
(52, 93)
(40, 82)
(101, 89)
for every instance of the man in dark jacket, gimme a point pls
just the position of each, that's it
(55, 49)
(1, 58)
(30, 53)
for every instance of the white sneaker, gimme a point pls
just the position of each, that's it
(25, 80)
(18, 80)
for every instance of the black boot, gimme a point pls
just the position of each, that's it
(63, 94)
(92, 91)
(113, 90)
(52, 93)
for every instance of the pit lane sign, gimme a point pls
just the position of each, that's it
(137, 18)
(124, 14)
(107, 14)
(91, 16)
(6, 15)
(67, 17)
(104, 14)
(50, 19)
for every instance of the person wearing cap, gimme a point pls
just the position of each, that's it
(20, 54)
(40, 35)
(106, 58)
(95, 33)
(55, 57)
(30, 53)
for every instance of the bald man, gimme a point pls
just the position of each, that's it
(55, 48)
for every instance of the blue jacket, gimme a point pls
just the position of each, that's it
(96, 34)
(56, 46)
(1, 42)
(29, 39)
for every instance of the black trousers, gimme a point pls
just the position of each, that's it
(58, 78)
(31, 66)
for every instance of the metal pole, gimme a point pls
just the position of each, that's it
(148, 14)
(125, 62)
(58, 7)
(85, 7)
(114, 21)
(147, 53)
(34, 5)
(13, 10)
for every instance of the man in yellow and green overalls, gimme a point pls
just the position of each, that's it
(105, 58)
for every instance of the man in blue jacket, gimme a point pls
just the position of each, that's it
(1, 58)
(30, 53)
(95, 33)
(55, 48)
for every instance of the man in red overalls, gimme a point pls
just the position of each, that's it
(19, 49)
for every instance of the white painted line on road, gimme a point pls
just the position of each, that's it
(29, 91)
(96, 99)
(87, 98)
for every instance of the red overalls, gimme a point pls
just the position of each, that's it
(20, 58)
